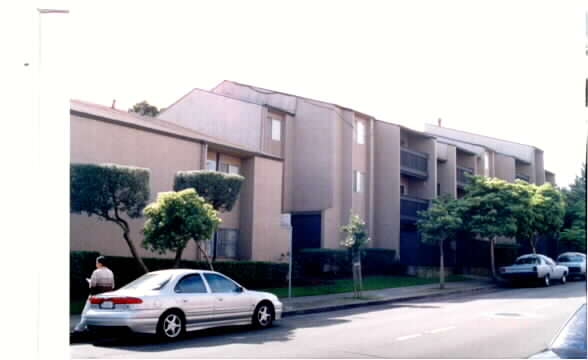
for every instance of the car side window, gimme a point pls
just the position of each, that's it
(219, 284)
(192, 284)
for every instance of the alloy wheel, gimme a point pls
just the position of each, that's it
(172, 325)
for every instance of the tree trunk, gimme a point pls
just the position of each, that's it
(533, 244)
(126, 235)
(360, 276)
(441, 267)
(205, 255)
(178, 257)
(492, 259)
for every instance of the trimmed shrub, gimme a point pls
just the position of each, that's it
(219, 189)
(336, 263)
(251, 274)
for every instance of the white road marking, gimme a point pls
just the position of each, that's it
(402, 338)
(441, 329)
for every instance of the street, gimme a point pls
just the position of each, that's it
(509, 323)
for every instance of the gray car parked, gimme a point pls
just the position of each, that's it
(171, 302)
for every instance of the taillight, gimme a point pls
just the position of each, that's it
(116, 300)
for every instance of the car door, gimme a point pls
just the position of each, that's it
(194, 299)
(554, 271)
(231, 302)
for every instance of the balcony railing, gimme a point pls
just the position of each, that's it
(462, 179)
(414, 163)
(523, 177)
(410, 206)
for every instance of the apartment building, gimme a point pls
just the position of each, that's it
(315, 160)
(252, 230)
(493, 157)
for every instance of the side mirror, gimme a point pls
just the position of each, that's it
(239, 290)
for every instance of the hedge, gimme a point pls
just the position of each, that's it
(336, 263)
(251, 274)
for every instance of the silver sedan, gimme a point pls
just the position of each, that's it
(171, 302)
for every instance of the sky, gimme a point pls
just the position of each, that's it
(512, 70)
(515, 70)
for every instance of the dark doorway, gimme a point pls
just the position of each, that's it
(306, 231)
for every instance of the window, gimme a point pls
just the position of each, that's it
(233, 169)
(358, 180)
(360, 132)
(276, 129)
(220, 284)
(211, 165)
(149, 282)
(486, 164)
(228, 168)
(191, 284)
(402, 190)
(438, 189)
(226, 243)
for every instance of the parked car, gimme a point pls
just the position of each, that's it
(535, 267)
(570, 341)
(576, 263)
(170, 302)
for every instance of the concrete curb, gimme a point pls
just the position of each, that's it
(386, 301)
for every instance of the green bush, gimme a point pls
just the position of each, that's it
(251, 274)
(336, 263)
(219, 189)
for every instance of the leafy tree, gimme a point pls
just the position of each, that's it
(356, 237)
(220, 189)
(144, 108)
(110, 191)
(573, 235)
(175, 218)
(491, 209)
(440, 222)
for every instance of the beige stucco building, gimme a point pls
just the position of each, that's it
(251, 230)
(315, 160)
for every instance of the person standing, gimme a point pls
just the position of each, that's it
(102, 280)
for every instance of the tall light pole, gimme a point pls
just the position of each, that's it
(36, 146)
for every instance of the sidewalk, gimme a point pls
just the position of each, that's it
(320, 303)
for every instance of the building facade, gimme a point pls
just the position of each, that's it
(317, 161)
(104, 135)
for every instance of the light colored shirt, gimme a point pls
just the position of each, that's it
(102, 277)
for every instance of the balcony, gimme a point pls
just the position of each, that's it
(414, 163)
(462, 178)
(523, 177)
(410, 206)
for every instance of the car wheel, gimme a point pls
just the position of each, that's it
(546, 281)
(171, 325)
(263, 315)
(563, 278)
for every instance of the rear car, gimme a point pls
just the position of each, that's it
(570, 341)
(535, 268)
(576, 263)
(170, 302)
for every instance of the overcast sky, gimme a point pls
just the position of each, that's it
(514, 69)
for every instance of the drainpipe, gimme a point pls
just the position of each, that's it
(371, 185)
(203, 155)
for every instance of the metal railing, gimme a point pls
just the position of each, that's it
(410, 206)
(523, 177)
(414, 163)
(462, 178)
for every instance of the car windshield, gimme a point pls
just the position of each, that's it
(527, 260)
(570, 258)
(149, 282)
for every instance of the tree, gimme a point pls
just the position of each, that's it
(491, 208)
(110, 191)
(219, 189)
(175, 218)
(145, 109)
(440, 222)
(573, 235)
(356, 237)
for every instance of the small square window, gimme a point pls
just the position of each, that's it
(276, 130)
(233, 169)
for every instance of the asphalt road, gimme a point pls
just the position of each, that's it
(510, 323)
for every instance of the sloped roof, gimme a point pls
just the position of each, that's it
(101, 112)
